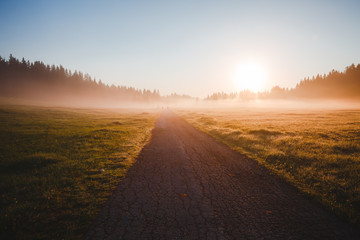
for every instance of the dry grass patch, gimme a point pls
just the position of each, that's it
(317, 151)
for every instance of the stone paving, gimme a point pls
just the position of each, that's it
(185, 185)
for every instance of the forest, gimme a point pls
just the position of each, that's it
(334, 85)
(38, 81)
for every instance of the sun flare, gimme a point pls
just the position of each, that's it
(250, 76)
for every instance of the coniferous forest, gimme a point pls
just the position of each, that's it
(38, 81)
(334, 85)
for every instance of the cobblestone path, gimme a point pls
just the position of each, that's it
(185, 185)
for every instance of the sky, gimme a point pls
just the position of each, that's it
(187, 47)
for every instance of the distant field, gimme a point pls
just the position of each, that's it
(58, 166)
(317, 151)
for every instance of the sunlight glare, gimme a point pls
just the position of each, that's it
(250, 76)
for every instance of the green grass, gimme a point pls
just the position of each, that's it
(52, 184)
(317, 151)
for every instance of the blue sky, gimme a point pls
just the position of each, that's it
(190, 47)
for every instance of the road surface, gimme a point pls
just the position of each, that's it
(186, 185)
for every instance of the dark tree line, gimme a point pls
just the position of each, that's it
(36, 80)
(334, 85)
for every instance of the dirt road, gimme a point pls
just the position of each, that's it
(185, 185)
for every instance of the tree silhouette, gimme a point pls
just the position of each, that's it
(334, 85)
(35, 80)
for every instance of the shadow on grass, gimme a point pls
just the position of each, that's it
(30, 163)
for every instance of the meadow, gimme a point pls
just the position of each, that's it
(59, 165)
(318, 151)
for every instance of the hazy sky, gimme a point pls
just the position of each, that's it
(190, 47)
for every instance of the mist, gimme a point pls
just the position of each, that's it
(35, 83)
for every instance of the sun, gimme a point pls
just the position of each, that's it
(250, 76)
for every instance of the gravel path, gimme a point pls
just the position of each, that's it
(185, 185)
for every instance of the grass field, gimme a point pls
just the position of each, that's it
(58, 166)
(317, 151)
